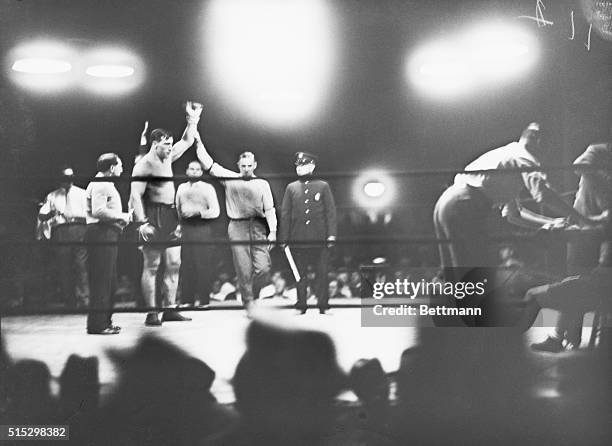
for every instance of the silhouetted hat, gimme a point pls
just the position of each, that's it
(153, 358)
(285, 364)
(79, 369)
(305, 158)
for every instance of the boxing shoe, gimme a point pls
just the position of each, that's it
(152, 320)
(550, 345)
(174, 316)
(111, 330)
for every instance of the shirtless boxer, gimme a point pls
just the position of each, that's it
(153, 204)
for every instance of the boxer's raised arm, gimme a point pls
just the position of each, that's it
(202, 154)
(215, 169)
(193, 110)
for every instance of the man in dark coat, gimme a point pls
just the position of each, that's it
(308, 213)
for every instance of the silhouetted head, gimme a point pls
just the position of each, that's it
(286, 381)
(80, 383)
(161, 394)
(369, 381)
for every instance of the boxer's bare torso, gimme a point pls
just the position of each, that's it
(156, 191)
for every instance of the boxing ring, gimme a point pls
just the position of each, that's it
(217, 338)
(216, 335)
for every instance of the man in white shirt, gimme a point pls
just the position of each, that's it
(196, 205)
(462, 211)
(62, 219)
(250, 208)
(105, 222)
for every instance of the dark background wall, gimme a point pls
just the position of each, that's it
(372, 117)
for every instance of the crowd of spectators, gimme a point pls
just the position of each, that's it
(344, 280)
(456, 386)
(344, 277)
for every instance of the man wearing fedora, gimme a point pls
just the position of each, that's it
(308, 213)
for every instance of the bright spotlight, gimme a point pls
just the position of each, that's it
(42, 66)
(378, 260)
(112, 71)
(271, 59)
(487, 54)
(440, 69)
(374, 189)
(499, 51)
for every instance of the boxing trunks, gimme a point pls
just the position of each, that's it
(164, 219)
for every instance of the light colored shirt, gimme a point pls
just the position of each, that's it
(70, 205)
(594, 193)
(505, 188)
(103, 202)
(246, 198)
(197, 198)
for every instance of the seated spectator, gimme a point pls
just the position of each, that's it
(215, 289)
(223, 289)
(280, 286)
(29, 394)
(285, 386)
(311, 277)
(355, 284)
(334, 289)
(343, 282)
(162, 398)
(470, 386)
(370, 424)
(80, 396)
(369, 382)
(79, 385)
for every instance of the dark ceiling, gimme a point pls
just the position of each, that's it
(372, 118)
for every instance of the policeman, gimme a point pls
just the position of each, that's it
(309, 213)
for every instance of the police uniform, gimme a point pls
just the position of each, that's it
(308, 213)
